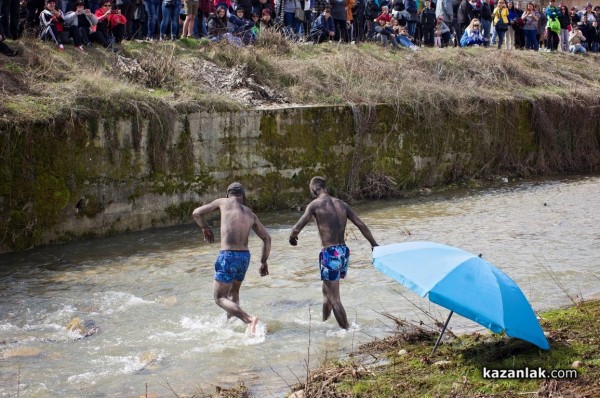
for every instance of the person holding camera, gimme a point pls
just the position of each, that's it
(530, 17)
(472, 36)
(576, 38)
(78, 28)
(51, 21)
(110, 22)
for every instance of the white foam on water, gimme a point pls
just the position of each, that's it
(111, 302)
(354, 327)
(116, 365)
(87, 377)
(219, 333)
(8, 327)
(260, 335)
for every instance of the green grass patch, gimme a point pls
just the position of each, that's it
(407, 369)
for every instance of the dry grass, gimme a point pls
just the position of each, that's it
(304, 73)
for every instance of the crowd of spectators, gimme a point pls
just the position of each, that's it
(410, 24)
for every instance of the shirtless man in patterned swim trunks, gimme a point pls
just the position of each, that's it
(230, 268)
(331, 215)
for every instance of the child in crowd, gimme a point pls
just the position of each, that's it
(442, 32)
(385, 32)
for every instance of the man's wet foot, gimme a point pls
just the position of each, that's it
(252, 326)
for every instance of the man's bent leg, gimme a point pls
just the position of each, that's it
(326, 304)
(234, 294)
(221, 292)
(332, 291)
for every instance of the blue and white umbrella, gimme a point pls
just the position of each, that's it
(463, 283)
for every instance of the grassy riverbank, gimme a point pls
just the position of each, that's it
(455, 370)
(45, 85)
(401, 365)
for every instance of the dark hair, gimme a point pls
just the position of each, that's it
(318, 182)
(236, 189)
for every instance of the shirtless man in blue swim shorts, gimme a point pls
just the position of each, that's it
(331, 215)
(230, 268)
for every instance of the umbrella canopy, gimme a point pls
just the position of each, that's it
(463, 283)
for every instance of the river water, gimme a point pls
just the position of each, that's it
(150, 293)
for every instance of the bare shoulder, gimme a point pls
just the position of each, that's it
(209, 207)
(339, 203)
(249, 212)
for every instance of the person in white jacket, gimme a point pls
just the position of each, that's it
(575, 40)
(84, 22)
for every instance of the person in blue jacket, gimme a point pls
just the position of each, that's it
(472, 36)
(323, 28)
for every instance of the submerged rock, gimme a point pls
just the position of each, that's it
(83, 327)
(22, 352)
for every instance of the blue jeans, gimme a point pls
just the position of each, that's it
(404, 41)
(200, 28)
(486, 27)
(500, 38)
(411, 27)
(577, 48)
(531, 42)
(170, 16)
(152, 11)
(290, 21)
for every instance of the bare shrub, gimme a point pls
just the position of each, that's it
(160, 65)
(273, 40)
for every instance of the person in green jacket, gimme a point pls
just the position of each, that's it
(552, 32)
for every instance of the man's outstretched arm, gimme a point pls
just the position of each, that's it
(362, 227)
(300, 224)
(262, 233)
(199, 214)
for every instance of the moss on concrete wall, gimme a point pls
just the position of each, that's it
(93, 177)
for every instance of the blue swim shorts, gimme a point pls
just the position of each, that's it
(231, 265)
(333, 261)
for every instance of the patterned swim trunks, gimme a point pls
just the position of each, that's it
(333, 262)
(231, 265)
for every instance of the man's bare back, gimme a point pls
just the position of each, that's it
(331, 215)
(236, 222)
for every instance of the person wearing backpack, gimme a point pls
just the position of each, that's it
(501, 21)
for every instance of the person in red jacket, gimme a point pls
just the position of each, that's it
(111, 21)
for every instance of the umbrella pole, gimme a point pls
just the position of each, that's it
(442, 333)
